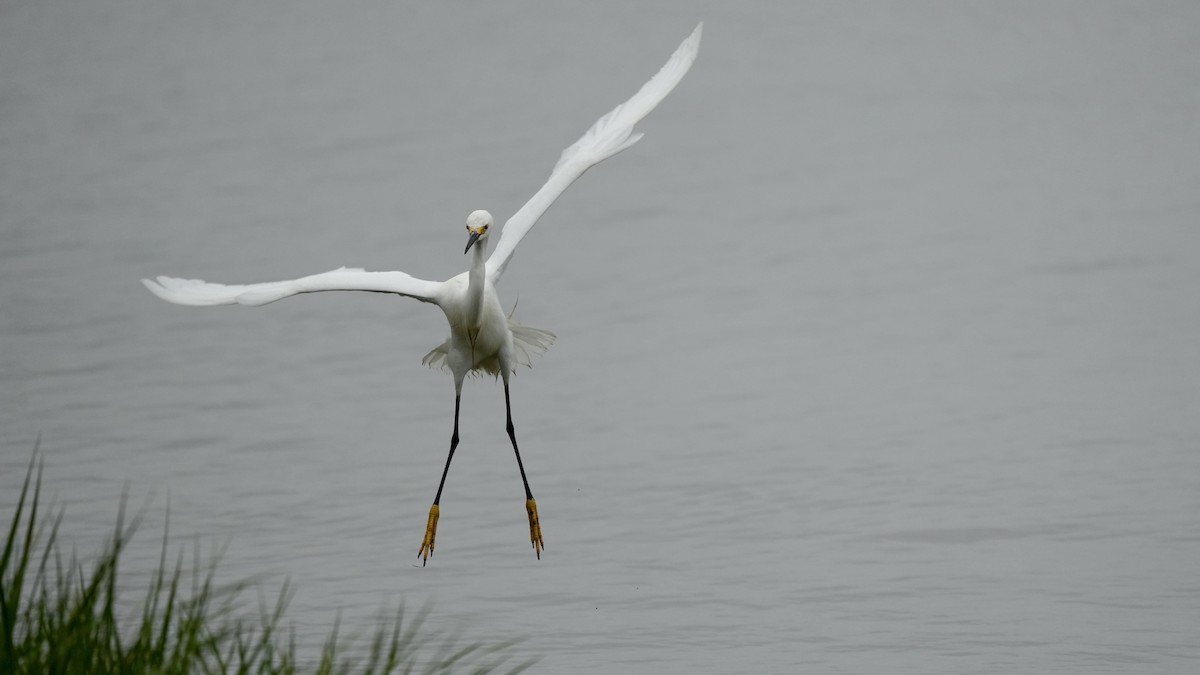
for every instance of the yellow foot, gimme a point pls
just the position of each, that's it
(535, 530)
(430, 533)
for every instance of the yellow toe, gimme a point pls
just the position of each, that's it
(426, 549)
(535, 529)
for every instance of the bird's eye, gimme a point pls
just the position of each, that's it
(485, 228)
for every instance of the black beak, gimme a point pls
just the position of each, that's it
(471, 241)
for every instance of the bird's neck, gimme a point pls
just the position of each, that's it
(476, 280)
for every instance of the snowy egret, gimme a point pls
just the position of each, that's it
(482, 337)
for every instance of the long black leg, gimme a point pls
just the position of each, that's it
(453, 444)
(512, 436)
(426, 549)
(535, 529)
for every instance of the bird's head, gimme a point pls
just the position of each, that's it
(477, 228)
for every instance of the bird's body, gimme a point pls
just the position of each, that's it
(483, 338)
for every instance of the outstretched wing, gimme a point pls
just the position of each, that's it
(608, 136)
(202, 293)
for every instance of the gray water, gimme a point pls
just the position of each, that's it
(878, 354)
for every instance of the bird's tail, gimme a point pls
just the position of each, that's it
(527, 341)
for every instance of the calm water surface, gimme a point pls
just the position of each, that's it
(878, 354)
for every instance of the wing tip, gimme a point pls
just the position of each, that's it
(157, 287)
(183, 291)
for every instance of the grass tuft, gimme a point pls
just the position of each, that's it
(61, 617)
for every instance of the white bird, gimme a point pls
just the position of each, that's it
(482, 337)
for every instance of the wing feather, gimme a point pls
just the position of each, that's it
(611, 134)
(200, 293)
